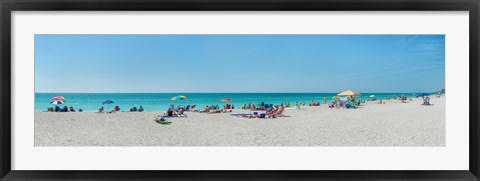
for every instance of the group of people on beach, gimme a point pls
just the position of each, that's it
(274, 112)
(262, 106)
(64, 109)
(117, 109)
(349, 104)
(216, 109)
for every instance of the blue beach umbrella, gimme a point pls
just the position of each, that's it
(107, 102)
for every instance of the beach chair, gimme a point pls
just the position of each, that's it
(192, 108)
(187, 108)
(279, 113)
(262, 115)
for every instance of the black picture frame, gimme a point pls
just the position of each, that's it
(7, 6)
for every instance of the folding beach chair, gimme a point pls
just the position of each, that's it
(262, 115)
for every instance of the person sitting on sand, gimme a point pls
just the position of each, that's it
(65, 109)
(332, 105)
(179, 113)
(426, 101)
(100, 110)
(380, 102)
(271, 111)
(57, 108)
(207, 109)
(278, 113)
(71, 109)
(169, 112)
(140, 109)
(117, 108)
(80, 110)
(253, 108)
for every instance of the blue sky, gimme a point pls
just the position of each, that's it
(239, 63)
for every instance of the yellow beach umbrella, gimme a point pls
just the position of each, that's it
(349, 93)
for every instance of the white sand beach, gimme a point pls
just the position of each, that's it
(390, 124)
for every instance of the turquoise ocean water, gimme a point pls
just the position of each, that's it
(161, 101)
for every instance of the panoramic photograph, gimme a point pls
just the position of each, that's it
(240, 90)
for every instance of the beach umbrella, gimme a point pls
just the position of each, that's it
(349, 93)
(59, 98)
(179, 97)
(372, 96)
(226, 100)
(56, 102)
(107, 102)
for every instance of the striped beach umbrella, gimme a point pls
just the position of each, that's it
(59, 98)
(226, 100)
(179, 97)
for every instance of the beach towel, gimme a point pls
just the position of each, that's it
(165, 122)
(162, 121)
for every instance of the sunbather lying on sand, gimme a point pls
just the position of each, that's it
(207, 109)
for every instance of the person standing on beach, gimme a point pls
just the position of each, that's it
(324, 99)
